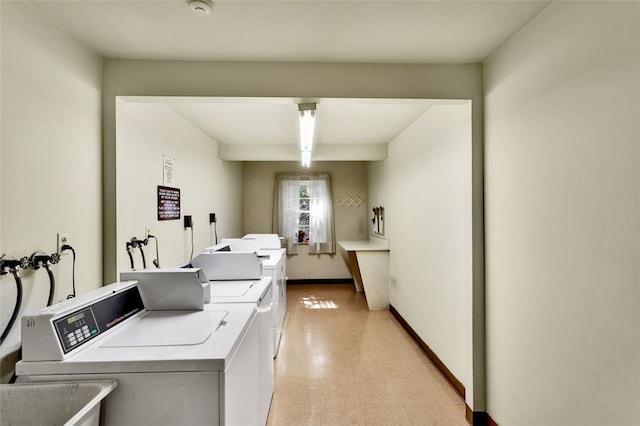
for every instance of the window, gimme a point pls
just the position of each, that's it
(303, 212)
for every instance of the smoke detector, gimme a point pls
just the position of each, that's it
(200, 7)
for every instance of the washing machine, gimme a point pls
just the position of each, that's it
(239, 259)
(258, 293)
(265, 241)
(274, 266)
(173, 367)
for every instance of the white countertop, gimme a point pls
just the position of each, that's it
(374, 244)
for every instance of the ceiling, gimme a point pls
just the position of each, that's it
(383, 31)
(266, 129)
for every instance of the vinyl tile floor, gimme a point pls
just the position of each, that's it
(340, 364)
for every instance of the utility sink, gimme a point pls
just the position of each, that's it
(62, 403)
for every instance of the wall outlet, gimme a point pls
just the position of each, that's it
(147, 232)
(63, 238)
(187, 221)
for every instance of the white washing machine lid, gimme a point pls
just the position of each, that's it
(230, 289)
(168, 328)
(265, 241)
(273, 259)
(239, 291)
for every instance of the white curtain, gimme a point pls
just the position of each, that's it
(287, 212)
(285, 215)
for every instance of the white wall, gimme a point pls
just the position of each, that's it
(146, 132)
(562, 207)
(50, 164)
(348, 178)
(425, 187)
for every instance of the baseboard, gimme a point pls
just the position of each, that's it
(457, 385)
(321, 281)
(479, 418)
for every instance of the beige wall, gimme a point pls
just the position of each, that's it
(562, 209)
(348, 178)
(425, 187)
(50, 159)
(305, 80)
(146, 133)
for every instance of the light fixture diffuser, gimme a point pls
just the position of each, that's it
(307, 128)
(306, 158)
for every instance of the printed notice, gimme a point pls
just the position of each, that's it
(168, 203)
(167, 170)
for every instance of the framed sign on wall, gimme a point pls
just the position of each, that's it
(168, 203)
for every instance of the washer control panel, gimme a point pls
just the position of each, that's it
(77, 328)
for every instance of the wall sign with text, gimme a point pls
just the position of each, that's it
(168, 203)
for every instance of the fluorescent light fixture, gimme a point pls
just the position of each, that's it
(307, 126)
(306, 158)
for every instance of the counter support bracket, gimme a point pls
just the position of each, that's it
(369, 265)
